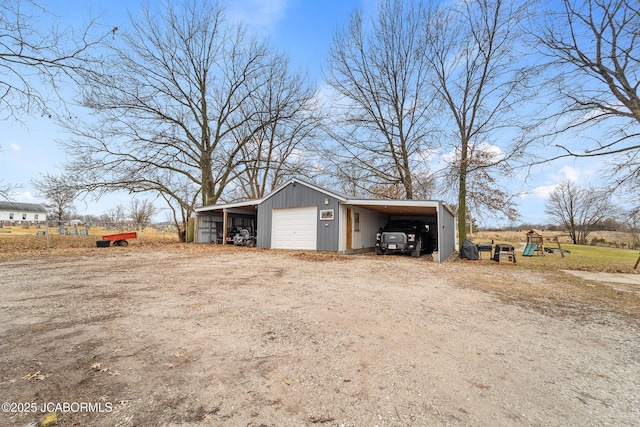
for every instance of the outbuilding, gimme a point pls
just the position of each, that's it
(18, 213)
(300, 215)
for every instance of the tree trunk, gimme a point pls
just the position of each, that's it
(182, 228)
(208, 190)
(462, 208)
(408, 185)
(462, 193)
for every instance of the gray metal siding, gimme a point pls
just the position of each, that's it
(370, 223)
(207, 227)
(446, 233)
(297, 195)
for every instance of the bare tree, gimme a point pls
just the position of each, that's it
(141, 212)
(170, 102)
(61, 194)
(7, 189)
(117, 215)
(472, 47)
(487, 184)
(633, 224)
(35, 62)
(578, 210)
(278, 146)
(593, 47)
(382, 76)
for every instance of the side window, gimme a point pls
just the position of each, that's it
(35, 217)
(11, 216)
(24, 216)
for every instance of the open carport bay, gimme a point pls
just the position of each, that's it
(202, 336)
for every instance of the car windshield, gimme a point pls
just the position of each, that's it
(403, 225)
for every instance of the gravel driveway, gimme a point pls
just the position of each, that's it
(264, 338)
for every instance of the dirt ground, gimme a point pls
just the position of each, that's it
(246, 337)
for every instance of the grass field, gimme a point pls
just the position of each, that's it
(588, 258)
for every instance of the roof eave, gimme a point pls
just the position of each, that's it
(253, 202)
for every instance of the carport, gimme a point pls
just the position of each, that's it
(439, 216)
(214, 222)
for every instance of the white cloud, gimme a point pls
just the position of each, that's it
(541, 192)
(297, 156)
(25, 196)
(258, 14)
(495, 151)
(327, 97)
(569, 173)
(446, 158)
(579, 176)
(15, 147)
(427, 155)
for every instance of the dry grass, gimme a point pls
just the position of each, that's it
(611, 238)
(557, 294)
(516, 237)
(320, 256)
(21, 242)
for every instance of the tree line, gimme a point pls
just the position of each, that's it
(422, 98)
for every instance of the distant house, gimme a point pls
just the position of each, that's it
(17, 213)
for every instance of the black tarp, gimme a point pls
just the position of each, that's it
(469, 250)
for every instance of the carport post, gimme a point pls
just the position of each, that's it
(224, 227)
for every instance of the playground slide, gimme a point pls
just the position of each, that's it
(529, 249)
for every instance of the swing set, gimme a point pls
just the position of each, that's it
(535, 244)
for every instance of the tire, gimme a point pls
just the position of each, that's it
(416, 251)
(124, 243)
(379, 251)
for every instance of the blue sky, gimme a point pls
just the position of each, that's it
(301, 28)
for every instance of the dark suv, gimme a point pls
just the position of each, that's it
(404, 236)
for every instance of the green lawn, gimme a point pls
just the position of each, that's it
(591, 258)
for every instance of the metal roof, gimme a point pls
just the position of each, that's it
(387, 206)
(249, 204)
(22, 207)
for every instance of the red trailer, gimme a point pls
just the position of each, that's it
(119, 239)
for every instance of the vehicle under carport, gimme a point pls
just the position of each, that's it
(439, 216)
(214, 225)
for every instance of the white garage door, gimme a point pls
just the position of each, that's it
(294, 228)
